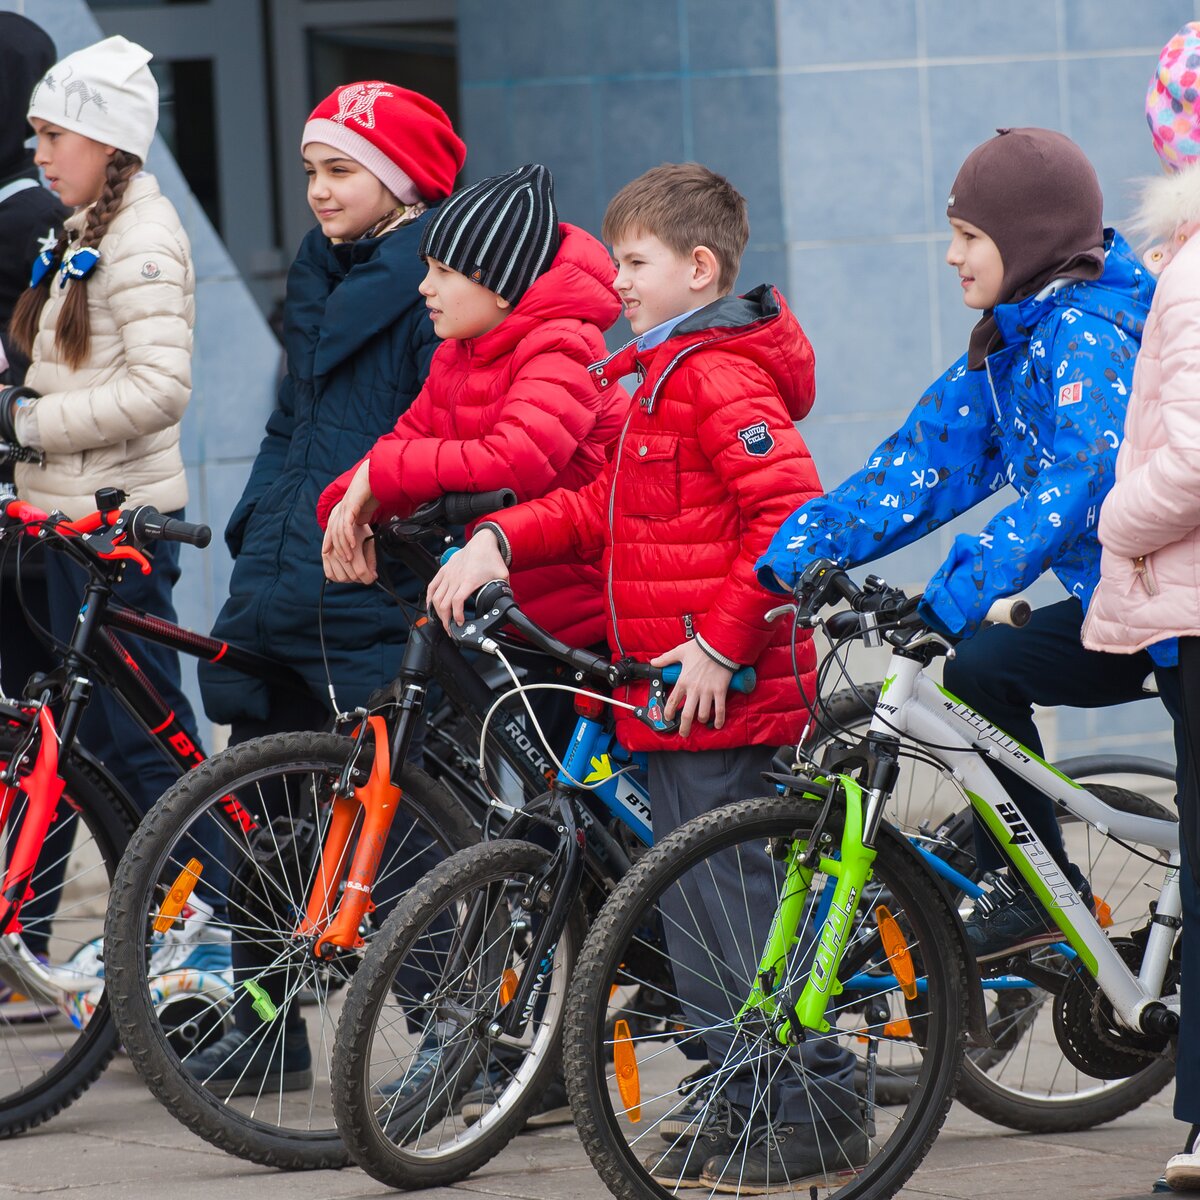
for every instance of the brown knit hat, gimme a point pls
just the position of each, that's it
(1034, 193)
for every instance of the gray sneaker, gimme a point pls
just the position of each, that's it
(696, 1089)
(783, 1157)
(719, 1132)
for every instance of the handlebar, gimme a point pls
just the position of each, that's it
(454, 508)
(147, 524)
(11, 452)
(877, 605)
(495, 607)
(463, 507)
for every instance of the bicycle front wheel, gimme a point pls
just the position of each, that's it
(425, 1089)
(56, 1032)
(232, 1026)
(756, 1115)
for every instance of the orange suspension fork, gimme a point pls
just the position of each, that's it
(379, 799)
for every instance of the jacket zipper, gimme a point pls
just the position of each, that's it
(612, 498)
(689, 628)
(1141, 568)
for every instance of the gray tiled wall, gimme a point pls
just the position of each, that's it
(844, 125)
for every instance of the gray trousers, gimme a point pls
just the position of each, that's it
(716, 919)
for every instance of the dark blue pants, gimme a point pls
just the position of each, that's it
(1003, 672)
(1184, 705)
(107, 730)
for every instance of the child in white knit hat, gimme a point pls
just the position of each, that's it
(107, 324)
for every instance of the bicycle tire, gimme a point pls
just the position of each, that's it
(108, 816)
(938, 955)
(246, 771)
(446, 1148)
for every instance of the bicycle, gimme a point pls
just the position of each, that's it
(491, 936)
(865, 951)
(307, 872)
(64, 817)
(1024, 1082)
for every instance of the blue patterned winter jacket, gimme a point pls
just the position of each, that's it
(1044, 417)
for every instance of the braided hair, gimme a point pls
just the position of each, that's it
(73, 334)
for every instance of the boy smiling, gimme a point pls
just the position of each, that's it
(707, 465)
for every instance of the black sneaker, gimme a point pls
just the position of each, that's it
(552, 1107)
(787, 1156)
(238, 1065)
(696, 1088)
(1008, 920)
(721, 1132)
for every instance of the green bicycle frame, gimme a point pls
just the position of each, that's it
(852, 870)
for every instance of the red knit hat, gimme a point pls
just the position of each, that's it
(403, 138)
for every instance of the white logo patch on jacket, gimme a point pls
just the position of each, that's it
(757, 438)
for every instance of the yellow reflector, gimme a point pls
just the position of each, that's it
(1103, 913)
(898, 1029)
(625, 1063)
(508, 986)
(897, 951)
(178, 896)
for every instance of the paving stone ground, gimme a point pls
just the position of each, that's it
(118, 1142)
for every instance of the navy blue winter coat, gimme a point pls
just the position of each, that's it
(358, 343)
(1045, 418)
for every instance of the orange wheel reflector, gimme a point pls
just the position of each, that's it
(178, 896)
(508, 986)
(1103, 913)
(897, 951)
(898, 1029)
(625, 1062)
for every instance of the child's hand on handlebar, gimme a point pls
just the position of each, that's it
(700, 689)
(347, 553)
(477, 563)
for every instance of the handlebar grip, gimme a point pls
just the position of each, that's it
(463, 507)
(1011, 610)
(743, 681)
(448, 554)
(148, 524)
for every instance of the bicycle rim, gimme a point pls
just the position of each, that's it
(711, 888)
(425, 1090)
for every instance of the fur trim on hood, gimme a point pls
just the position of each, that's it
(1165, 202)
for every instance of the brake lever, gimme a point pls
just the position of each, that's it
(653, 712)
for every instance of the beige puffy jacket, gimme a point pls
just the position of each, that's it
(114, 421)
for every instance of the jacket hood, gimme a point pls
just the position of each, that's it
(578, 284)
(341, 296)
(26, 54)
(1166, 202)
(758, 326)
(1121, 296)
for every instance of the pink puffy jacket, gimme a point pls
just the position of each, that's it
(1150, 522)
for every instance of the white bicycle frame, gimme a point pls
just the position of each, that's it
(913, 705)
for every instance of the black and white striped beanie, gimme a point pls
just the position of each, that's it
(501, 232)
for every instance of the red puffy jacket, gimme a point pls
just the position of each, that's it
(516, 408)
(707, 468)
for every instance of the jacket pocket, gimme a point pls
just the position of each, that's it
(1143, 573)
(650, 475)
